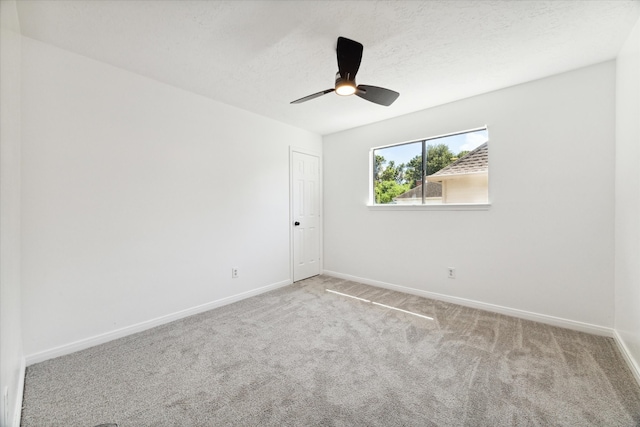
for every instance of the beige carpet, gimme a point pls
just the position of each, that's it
(303, 356)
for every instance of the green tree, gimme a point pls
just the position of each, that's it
(438, 157)
(400, 178)
(462, 154)
(378, 167)
(385, 191)
(392, 172)
(413, 172)
(389, 179)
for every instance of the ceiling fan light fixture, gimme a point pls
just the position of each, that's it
(349, 54)
(345, 87)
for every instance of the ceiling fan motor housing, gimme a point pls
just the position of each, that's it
(345, 87)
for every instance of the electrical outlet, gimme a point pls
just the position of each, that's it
(451, 272)
(234, 272)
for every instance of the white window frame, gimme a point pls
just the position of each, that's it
(419, 206)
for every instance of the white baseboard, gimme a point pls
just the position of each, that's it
(522, 314)
(17, 410)
(139, 327)
(626, 353)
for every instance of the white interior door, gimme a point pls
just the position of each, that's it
(306, 216)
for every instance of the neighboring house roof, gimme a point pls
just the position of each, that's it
(475, 162)
(434, 189)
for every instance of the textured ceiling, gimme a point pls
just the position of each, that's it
(260, 55)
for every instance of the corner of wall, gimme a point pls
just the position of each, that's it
(12, 361)
(17, 408)
(627, 202)
(634, 367)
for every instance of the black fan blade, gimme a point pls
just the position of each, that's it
(349, 57)
(310, 97)
(377, 95)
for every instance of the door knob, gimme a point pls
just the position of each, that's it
(296, 223)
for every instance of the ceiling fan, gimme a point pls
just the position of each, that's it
(349, 54)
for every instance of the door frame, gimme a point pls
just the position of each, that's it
(317, 154)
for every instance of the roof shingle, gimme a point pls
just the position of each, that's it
(434, 189)
(477, 161)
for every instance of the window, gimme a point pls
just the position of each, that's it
(450, 169)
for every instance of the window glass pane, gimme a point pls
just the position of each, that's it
(456, 171)
(397, 171)
(459, 164)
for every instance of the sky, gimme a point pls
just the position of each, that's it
(464, 141)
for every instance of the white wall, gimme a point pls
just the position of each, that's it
(11, 353)
(139, 198)
(627, 233)
(546, 244)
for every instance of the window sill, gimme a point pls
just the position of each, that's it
(447, 207)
